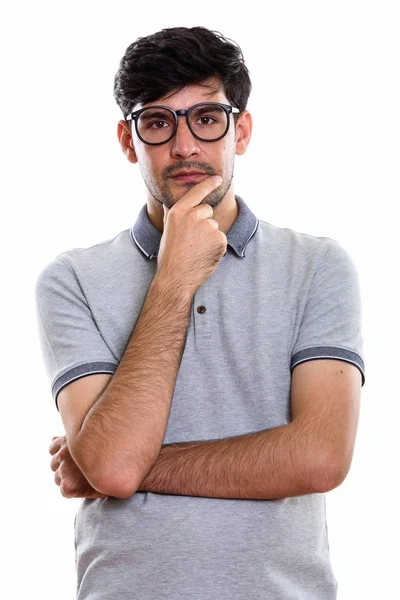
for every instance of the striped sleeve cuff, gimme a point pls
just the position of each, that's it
(329, 352)
(81, 371)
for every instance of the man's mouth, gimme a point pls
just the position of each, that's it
(192, 177)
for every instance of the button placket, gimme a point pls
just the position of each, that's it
(202, 312)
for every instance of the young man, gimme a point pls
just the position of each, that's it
(207, 365)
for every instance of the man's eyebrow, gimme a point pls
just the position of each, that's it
(150, 114)
(208, 108)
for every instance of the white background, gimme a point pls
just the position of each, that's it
(323, 160)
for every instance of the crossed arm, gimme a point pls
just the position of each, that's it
(268, 464)
(311, 454)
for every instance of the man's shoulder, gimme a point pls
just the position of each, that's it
(106, 254)
(91, 263)
(286, 239)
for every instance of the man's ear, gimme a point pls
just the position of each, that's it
(126, 142)
(243, 132)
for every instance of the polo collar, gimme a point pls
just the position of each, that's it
(148, 238)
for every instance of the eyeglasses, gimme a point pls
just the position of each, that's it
(208, 122)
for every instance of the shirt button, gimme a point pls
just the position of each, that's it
(201, 309)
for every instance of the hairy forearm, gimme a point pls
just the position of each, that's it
(274, 463)
(122, 433)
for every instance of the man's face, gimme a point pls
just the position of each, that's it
(158, 164)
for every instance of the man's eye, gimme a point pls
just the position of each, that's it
(206, 118)
(154, 122)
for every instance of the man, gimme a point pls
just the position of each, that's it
(207, 365)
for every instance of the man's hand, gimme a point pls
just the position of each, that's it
(72, 482)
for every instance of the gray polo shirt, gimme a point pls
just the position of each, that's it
(277, 298)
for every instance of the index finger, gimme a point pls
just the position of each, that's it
(199, 191)
(54, 446)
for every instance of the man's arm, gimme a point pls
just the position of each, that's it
(122, 433)
(265, 465)
(311, 454)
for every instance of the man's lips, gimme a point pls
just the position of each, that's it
(189, 177)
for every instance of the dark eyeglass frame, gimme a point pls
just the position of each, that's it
(185, 112)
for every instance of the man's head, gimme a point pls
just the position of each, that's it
(178, 68)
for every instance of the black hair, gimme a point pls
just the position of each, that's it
(173, 58)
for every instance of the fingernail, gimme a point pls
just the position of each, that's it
(217, 178)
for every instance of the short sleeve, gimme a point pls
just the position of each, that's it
(71, 343)
(331, 324)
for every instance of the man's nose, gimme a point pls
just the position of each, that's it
(184, 142)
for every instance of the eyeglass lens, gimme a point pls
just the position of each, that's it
(156, 125)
